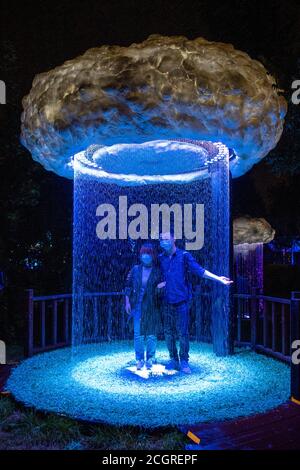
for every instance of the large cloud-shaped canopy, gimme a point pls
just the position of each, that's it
(162, 88)
(252, 230)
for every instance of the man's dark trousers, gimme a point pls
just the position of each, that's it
(176, 324)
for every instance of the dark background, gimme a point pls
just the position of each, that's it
(36, 206)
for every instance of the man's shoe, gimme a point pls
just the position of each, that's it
(185, 368)
(172, 365)
(149, 364)
(139, 365)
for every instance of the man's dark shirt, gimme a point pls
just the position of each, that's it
(174, 271)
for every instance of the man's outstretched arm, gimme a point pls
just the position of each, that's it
(223, 279)
(202, 272)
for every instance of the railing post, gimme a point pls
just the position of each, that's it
(283, 330)
(265, 325)
(29, 314)
(66, 321)
(239, 319)
(295, 347)
(43, 324)
(273, 327)
(254, 315)
(54, 322)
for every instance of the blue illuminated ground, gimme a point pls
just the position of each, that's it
(96, 385)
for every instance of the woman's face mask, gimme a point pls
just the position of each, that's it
(146, 259)
(166, 244)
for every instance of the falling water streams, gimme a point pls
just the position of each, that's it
(108, 183)
(248, 267)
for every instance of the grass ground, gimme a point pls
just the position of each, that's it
(94, 384)
(22, 428)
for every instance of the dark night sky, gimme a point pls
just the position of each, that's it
(37, 36)
(47, 33)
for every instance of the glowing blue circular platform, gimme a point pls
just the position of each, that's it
(99, 384)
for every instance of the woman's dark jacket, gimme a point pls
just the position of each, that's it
(151, 321)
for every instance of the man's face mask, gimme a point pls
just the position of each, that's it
(166, 244)
(146, 259)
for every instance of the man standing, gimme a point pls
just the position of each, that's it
(175, 263)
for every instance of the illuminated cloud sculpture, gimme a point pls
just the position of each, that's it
(252, 230)
(162, 88)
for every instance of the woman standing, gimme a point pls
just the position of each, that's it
(142, 302)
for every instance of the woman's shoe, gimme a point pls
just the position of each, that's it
(185, 368)
(149, 364)
(139, 364)
(172, 364)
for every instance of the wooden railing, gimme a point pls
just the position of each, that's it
(44, 313)
(264, 322)
(49, 320)
(269, 325)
